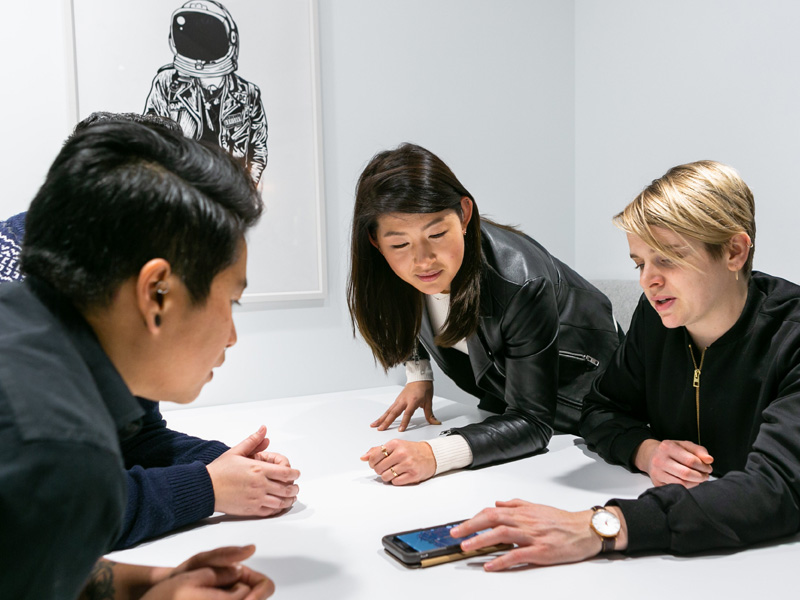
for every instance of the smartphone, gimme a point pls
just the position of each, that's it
(430, 546)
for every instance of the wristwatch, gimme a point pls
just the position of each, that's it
(605, 524)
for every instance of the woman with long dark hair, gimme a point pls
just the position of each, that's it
(508, 322)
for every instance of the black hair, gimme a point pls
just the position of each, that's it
(109, 117)
(387, 310)
(121, 193)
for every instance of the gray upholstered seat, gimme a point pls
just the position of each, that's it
(624, 295)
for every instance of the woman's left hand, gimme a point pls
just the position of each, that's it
(400, 462)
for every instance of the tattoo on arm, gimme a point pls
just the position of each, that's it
(100, 585)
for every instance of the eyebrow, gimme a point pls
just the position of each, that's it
(435, 221)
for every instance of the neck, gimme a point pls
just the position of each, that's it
(118, 328)
(727, 311)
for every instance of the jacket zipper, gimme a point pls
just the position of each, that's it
(696, 385)
(584, 357)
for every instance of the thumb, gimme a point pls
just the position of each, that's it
(251, 443)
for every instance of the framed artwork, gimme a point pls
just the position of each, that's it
(242, 74)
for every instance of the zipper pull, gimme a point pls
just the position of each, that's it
(696, 380)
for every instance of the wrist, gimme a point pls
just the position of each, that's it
(621, 542)
(644, 455)
(607, 525)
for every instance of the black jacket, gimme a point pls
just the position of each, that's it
(749, 421)
(544, 334)
(63, 410)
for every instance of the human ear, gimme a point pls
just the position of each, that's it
(738, 250)
(374, 242)
(152, 288)
(466, 212)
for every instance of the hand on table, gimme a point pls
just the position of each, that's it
(213, 575)
(251, 482)
(400, 462)
(543, 535)
(674, 461)
(414, 395)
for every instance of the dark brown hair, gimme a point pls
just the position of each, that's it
(386, 309)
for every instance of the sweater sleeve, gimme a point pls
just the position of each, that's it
(530, 340)
(614, 418)
(162, 499)
(155, 445)
(168, 483)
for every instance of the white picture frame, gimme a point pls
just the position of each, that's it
(118, 48)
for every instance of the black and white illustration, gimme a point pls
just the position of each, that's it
(225, 70)
(201, 90)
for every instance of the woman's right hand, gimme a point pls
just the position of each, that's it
(414, 395)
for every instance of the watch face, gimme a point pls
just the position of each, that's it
(605, 523)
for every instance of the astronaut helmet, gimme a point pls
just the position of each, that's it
(204, 39)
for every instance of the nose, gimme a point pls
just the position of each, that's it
(233, 337)
(650, 277)
(423, 254)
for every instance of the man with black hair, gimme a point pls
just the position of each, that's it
(134, 253)
(174, 479)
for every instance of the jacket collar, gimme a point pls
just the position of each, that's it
(122, 406)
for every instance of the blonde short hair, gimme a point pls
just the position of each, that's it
(705, 200)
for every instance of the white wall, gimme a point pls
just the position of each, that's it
(554, 114)
(665, 82)
(486, 85)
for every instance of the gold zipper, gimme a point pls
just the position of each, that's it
(696, 385)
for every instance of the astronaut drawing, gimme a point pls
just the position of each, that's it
(201, 90)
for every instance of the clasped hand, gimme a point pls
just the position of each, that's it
(251, 482)
(400, 462)
(216, 574)
(674, 461)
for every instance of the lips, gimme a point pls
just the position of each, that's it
(662, 303)
(428, 276)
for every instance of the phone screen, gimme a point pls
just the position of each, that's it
(433, 538)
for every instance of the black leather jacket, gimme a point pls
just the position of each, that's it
(544, 334)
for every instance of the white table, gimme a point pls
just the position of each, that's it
(329, 544)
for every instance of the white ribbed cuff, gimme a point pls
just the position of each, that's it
(418, 370)
(451, 452)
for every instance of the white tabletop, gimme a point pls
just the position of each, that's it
(329, 544)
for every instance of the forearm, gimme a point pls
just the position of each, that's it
(450, 452)
(161, 500)
(505, 437)
(118, 581)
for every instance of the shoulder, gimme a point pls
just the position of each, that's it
(237, 82)
(514, 256)
(46, 390)
(10, 246)
(166, 71)
(781, 297)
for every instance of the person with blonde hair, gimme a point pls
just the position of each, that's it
(703, 395)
